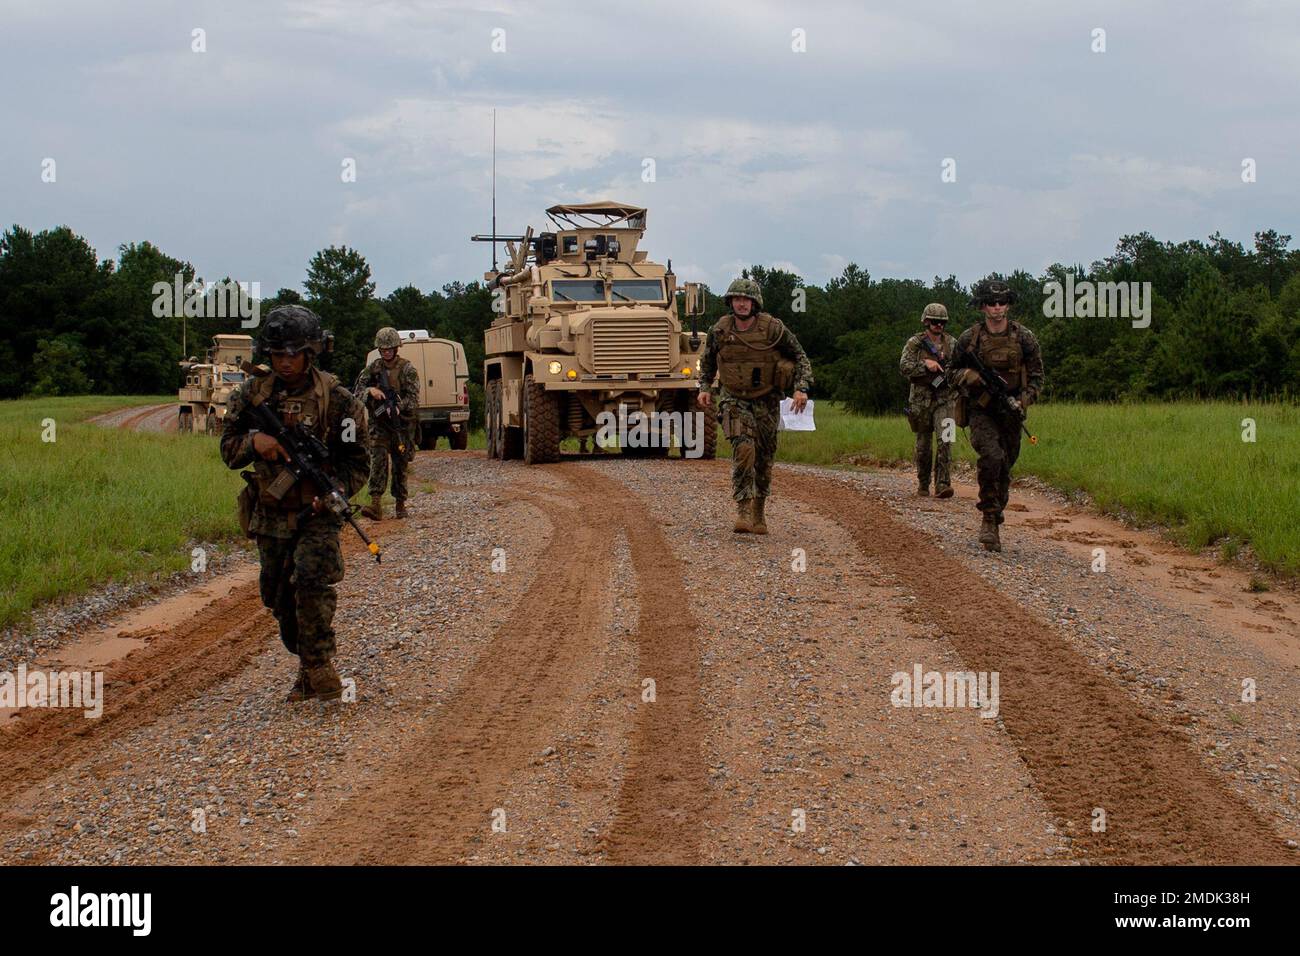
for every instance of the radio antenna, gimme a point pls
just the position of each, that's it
(494, 190)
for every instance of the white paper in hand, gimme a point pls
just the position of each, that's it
(802, 422)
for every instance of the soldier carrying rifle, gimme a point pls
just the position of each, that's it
(1001, 375)
(390, 387)
(295, 522)
(930, 400)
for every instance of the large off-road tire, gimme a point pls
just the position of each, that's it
(710, 432)
(428, 439)
(684, 401)
(512, 439)
(492, 419)
(210, 423)
(541, 424)
(185, 421)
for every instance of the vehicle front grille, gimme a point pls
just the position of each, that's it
(640, 344)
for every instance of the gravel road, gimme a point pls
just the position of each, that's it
(579, 663)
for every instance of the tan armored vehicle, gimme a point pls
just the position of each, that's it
(209, 383)
(444, 386)
(587, 332)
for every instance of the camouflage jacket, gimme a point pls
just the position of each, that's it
(912, 367)
(403, 377)
(349, 458)
(787, 345)
(1031, 358)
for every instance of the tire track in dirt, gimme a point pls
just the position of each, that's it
(664, 793)
(1086, 742)
(433, 804)
(179, 665)
(435, 801)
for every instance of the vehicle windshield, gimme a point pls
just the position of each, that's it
(232, 377)
(621, 290)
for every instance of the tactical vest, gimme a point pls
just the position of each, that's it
(311, 408)
(748, 364)
(1002, 353)
(377, 369)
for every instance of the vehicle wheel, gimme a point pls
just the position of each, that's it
(710, 433)
(210, 423)
(683, 400)
(460, 440)
(493, 419)
(512, 439)
(185, 421)
(428, 440)
(541, 424)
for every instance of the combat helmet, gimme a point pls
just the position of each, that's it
(292, 329)
(987, 290)
(387, 338)
(935, 310)
(746, 287)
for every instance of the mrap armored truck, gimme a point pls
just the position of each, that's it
(586, 334)
(202, 399)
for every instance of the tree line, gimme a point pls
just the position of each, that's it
(1222, 320)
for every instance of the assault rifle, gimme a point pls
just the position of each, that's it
(307, 456)
(938, 380)
(390, 410)
(998, 389)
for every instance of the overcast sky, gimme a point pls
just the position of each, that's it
(231, 158)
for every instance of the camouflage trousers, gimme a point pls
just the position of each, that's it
(751, 427)
(927, 421)
(996, 439)
(297, 584)
(383, 445)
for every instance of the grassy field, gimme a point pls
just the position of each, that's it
(1182, 465)
(100, 504)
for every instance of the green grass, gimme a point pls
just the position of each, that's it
(100, 504)
(1183, 465)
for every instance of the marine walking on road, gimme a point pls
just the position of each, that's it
(757, 360)
(930, 408)
(297, 535)
(390, 388)
(1001, 375)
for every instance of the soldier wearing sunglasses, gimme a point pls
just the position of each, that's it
(1012, 352)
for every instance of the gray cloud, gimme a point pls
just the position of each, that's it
(231, 158)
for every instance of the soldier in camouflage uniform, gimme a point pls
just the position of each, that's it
(396, 439)
(930, 401)
(1012, 352)
(300, 556)
(757, 360)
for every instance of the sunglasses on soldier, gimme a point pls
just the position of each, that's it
(1000, 300)
(939, 322)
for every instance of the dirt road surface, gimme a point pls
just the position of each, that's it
(579, 663)
(141, 418)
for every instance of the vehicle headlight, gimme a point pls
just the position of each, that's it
(554, 368)
(697, 366)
